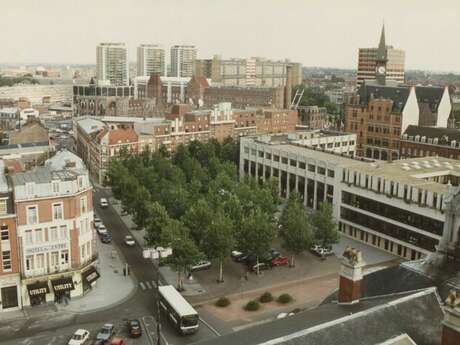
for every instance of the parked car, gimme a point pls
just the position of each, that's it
(80, 337)
(243, 258)
(102, 230)
(325, 252)
(280, 261)
(235, 255)
(106, 332)
(134, 328)
(129, 241)
(118, 341)
(201, 265)
(314, 248)
(106, 238)
(261, 266)
(97, 222)
(103, 202)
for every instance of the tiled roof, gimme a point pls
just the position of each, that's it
(434, 132)
(121, 135)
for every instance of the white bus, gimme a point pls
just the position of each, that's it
(179, 311)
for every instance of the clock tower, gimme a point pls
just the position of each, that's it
(381, 60)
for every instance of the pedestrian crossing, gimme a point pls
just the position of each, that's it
(147, 285)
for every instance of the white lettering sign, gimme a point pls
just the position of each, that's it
(46, 248)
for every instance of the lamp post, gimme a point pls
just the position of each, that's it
(157, 253)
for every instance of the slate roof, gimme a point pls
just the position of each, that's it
(371, 321)
(434, 132)
(426, 95)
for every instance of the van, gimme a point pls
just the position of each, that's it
(103, 202)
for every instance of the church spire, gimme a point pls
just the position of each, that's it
(382, 50)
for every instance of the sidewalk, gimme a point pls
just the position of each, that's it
(104, 295)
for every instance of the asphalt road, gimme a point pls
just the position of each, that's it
(51, 331)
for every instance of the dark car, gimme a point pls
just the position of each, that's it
(134, 328)
(106, 238)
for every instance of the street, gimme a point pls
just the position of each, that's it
(58, 330)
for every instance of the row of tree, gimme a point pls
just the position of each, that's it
(194, 202)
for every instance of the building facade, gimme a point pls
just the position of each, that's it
(368, 62)
(398, 207)
(313, 117)
(151, 59)
(112, 64)
(418, 141)
(182, 60)
(379, 114)
(9, 118)
(248, 72)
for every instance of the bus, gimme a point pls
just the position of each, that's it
(179, 311)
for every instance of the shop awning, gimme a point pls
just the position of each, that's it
(62, 284)
(91, 275)
(38, 288)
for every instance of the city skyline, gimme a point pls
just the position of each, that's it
(327, 35)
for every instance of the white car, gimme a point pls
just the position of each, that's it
(103, 202)
(101, 229)
(129, 241)
(80, 337)
(201, 265)
(97, 222)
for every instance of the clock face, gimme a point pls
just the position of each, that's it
(381, 70)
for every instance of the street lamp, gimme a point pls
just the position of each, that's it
(153, 254)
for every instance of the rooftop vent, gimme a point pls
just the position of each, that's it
(405, 168)
(423, 139)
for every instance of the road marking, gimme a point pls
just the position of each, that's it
(210, 327)
(148, 285)
(142, 285)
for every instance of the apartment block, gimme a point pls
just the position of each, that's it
(112, 64)
(150, 59)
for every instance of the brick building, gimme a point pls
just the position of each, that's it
(313, 117)
(418, 141)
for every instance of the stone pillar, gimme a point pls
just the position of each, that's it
(263, 172)
(305, 192)
(287, 184)
(351, 276)
(451, 323)
(297, 183)
(315, 195)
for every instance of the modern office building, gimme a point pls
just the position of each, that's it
(370, 61)
(244, 72)
(182, 60)
(151, 59)
(399, 207)
(112, 64)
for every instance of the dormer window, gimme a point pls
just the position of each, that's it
(30, 188)
(55, 185)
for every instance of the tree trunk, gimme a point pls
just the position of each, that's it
(221, 271)
(258, 270)
(292, 264)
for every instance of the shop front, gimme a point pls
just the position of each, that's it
(10, 292)
(62, 288)
(89, 277)
(37, 292)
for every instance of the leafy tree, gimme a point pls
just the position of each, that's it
(325, 227)
(185, 252)
(198, 218)
(140, 206)
(156, 221)
(257, 233)
(296, 229)
(218, 240)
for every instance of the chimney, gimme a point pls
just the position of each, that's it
(288, 88)
(351, 275)
(451, 323)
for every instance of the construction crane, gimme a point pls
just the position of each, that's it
(297, 98)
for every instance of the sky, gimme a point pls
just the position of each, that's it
(323, 33)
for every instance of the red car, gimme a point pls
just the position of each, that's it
(280, 260)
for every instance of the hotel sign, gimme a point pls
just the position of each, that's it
(45, 248)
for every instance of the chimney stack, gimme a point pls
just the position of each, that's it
(351, 275)
(451, 323)
(288, 88)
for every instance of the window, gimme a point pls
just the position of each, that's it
(3, 208)
(64, 233)
(57, 211)
(30, 188)
(302, 165)
(261, 154)
(276, 158)
(54, 259)
(246, 150)
(321, 171)
(39, 238)
(83, 251)
(293, 162)
(40, 261)
(32, 215)
(55, 186)
(4, 233)
(6, 260)
(29, 262)
(311, 168)
(65, 257)
(28, 238)
(80, 181)
(330, 173)
(268, 155)
(53, 233)
(284, 160)
(83, 205)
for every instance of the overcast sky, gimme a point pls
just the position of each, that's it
(315, 33)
